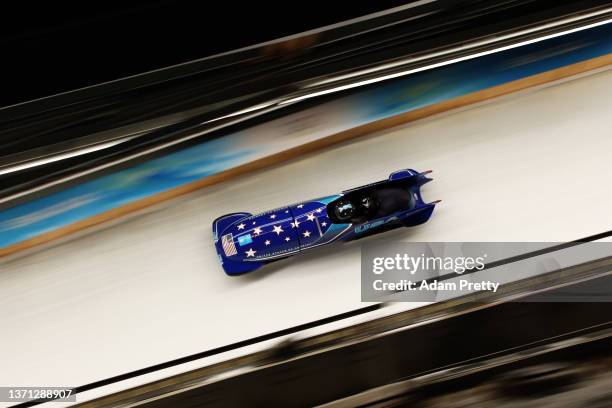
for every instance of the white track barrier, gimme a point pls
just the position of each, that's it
(532, 166)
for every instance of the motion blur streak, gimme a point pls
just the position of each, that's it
(149, 289)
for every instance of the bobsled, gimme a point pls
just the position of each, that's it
(246, 242)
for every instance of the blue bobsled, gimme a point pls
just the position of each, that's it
(246, 242)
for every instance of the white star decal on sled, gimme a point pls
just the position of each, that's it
(278, 229)
(319, 210)
(257, 231)
(287, 239)
(241, 226)
(311, 217)
(295, 224)
(323, 223)
(273, 216)
(267, 242)
(286, 211)
(300, 206)
(250, 253)
(307, 234)
(254, 222)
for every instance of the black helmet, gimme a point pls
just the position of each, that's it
(368, 204)
(344, 210)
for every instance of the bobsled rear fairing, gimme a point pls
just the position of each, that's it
(383, 205)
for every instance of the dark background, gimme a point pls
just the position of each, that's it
(52, 47)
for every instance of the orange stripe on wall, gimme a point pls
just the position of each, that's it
(314, 146)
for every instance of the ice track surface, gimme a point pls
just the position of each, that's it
(532, 166)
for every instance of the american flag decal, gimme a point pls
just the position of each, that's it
(227, 241)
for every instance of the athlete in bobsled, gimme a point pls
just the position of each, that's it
(246, 242)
